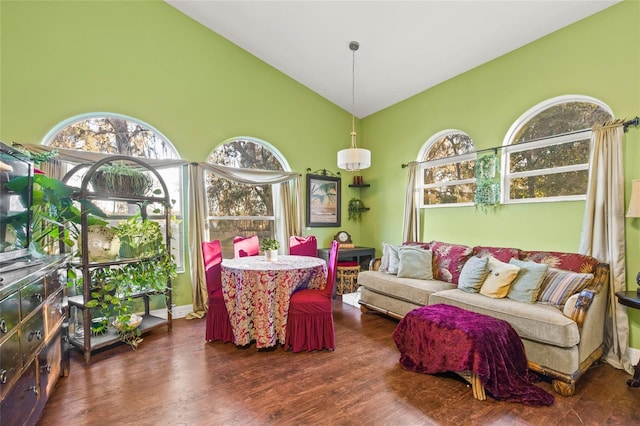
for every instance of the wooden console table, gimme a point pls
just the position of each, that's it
(631, 299)
(362, 255)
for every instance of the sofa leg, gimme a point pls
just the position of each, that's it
(563, 388)
(364, 309)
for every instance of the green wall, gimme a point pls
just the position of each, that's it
(597, 57)
(147, 60)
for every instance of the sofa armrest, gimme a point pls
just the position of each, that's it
(586, 296)
(374, 263)
(583, 302)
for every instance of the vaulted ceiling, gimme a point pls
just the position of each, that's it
(406, 47)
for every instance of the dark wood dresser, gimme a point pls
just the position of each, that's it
(32, 333)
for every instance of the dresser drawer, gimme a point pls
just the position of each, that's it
(54, 281)
(31, 297)
(31, 336)
(10, 362)
(9, 314)
(17, 407)
(53, 312)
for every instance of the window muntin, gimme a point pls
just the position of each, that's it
(240, 209)
(447, 171)
(546, 154)
(120, 135)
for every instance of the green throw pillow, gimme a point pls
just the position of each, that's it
(526, 286)
(473, 274)
(415, 263)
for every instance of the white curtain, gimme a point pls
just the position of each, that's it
(603, 232)
(411, 225)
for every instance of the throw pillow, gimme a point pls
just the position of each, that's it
(500, 253)
(559, 285)
(449, 260)
(567, 310)
(473, 274)
(566, 261)
(526, 286)
(390, 260)
(500, 276)
(414, 263)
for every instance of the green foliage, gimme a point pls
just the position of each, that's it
(269, 244)
(356, 208)
(120, 178)
(52, 211)
(487, 191)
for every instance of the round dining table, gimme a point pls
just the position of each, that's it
(257, 294)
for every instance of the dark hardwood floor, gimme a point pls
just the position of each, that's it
(179, 379)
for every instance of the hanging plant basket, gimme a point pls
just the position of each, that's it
(120, 179)
(356, 208)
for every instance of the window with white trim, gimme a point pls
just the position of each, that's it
(447, 170)
(121, 135)
(241, 209)
(546, 152)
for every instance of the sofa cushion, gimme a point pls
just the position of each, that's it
(537, 322)
(499, 278)
(449, 260)
(500, 253)
(559, 285)
(415, 263)
(390, 259)
(473, 274)
(408, 289)
(568, 261)
(526, 286)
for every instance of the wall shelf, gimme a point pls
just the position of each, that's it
(361, 185)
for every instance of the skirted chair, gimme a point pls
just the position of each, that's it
(218, 326)
(310, 319)
(243, 247)
(303, 246)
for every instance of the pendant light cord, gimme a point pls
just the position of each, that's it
(353, 46)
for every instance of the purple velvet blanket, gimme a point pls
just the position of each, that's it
(441, 338)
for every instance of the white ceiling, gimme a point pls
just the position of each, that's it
(406, 47)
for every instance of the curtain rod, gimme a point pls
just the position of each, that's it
(635, 122)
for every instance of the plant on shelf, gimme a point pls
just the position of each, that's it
(120, 178)
(269, 244)
(356, 208)
(138, 237)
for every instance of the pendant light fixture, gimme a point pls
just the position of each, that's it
(354, 158)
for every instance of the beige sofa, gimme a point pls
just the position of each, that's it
(560, 343)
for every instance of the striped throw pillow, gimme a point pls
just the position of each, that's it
(558, 285)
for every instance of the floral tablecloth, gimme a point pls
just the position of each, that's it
(257, 293)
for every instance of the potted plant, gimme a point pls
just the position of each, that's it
(138, 238)
(270, 248)
(356, 208)
(120, 178)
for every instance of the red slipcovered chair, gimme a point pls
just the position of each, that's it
(218, 326)
(310, 319)
(303, 246)
(243, 247)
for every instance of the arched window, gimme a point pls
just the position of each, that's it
(447, 169)
(241, 209)
(546, 154)
(121, 135)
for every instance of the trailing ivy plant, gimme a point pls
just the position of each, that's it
(487, 192)
(356, 208)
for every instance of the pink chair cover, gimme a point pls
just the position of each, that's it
(303, 246)
(243, 247)
(218, 326)
(310, 320)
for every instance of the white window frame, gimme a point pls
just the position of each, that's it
(508, 148)
(426, 147)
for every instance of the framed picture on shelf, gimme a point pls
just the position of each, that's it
(323, 201)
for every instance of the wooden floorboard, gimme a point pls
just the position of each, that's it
(179, 379)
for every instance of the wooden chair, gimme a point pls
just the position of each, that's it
(310, 319)
(243, 247)
(303, 246)
(218, 326)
